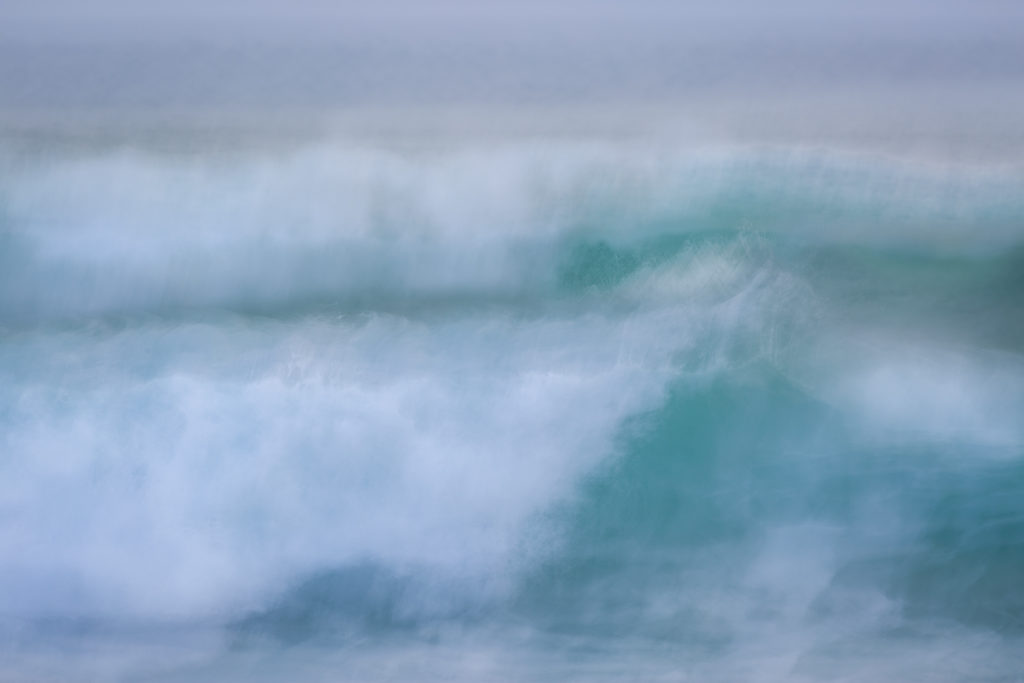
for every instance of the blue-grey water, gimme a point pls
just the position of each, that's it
(694, 353)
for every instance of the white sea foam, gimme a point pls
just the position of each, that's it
(906, 392)
(168, 471)
(243, 371)
(130, 230)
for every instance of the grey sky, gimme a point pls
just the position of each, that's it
(228, 19)
(312, 53)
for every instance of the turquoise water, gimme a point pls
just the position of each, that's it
(525, 409)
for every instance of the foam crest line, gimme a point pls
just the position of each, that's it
(131, 231)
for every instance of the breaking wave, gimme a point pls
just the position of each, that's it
(735, 413)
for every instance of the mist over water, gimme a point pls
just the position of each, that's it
(487, 342)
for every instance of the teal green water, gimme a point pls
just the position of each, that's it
(578, 411)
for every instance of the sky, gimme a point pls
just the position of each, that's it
(909, 60)
(227, 20)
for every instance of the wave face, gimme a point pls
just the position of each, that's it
(519, 409)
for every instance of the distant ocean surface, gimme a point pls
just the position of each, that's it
(508, 408)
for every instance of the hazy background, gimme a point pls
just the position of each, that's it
(316, 53)
(938, 74)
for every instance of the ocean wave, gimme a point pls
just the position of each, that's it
(727, 407)
(128, 231)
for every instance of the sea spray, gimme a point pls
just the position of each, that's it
(485, 410)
